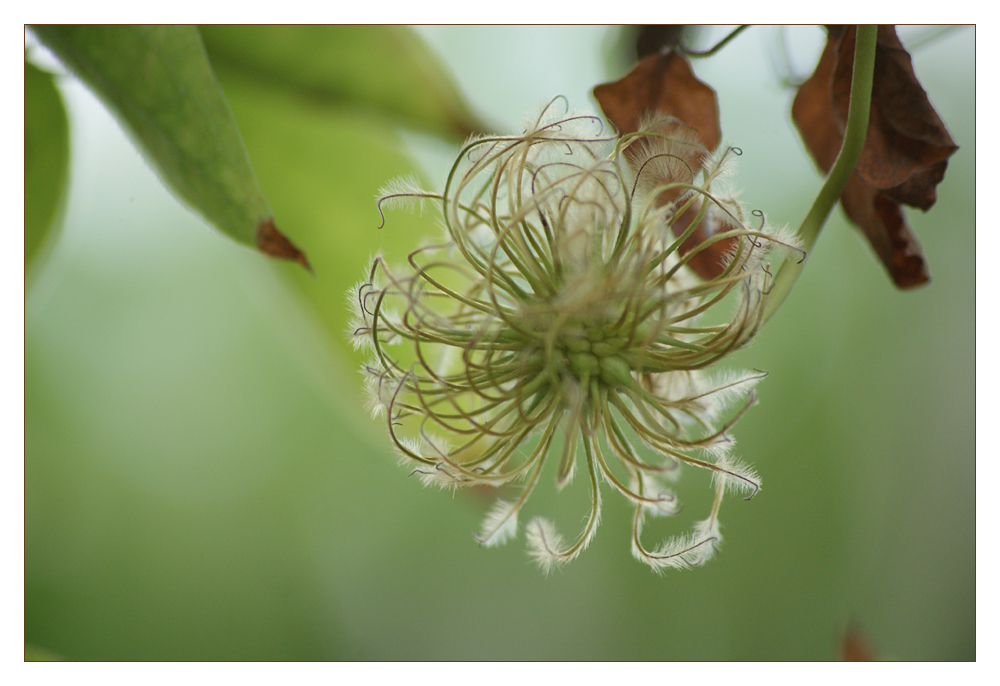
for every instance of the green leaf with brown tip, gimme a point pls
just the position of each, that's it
(158, 82)
(323, 167)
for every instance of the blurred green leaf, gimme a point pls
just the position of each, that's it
(33, 653)
(46, 157)
(158, 82)
(387, 69)
(323, 167)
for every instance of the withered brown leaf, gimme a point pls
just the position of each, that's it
(664, 85)
(906, 148)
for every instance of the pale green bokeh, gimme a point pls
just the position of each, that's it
(202, 481)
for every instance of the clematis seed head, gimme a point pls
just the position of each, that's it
(556, 321)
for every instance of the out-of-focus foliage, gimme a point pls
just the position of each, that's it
(157, 80)
(36, 654)
(317, 108)
(384, 70)
(46, 158)
(201, 481)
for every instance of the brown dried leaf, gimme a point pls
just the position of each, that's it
(885, 226)
(906, 148)
(663, 85)
(812, 110)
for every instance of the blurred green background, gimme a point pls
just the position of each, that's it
(202, 482)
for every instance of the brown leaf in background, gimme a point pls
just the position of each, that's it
(906, 148)
(885, 226)
(663, 85)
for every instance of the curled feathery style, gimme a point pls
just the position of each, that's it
(558, 318)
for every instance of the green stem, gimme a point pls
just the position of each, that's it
(843, 167)
(718, 46)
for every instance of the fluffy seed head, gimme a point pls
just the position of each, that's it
(556, 321)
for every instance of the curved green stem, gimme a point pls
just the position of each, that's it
(718, 46)
(843, 167)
